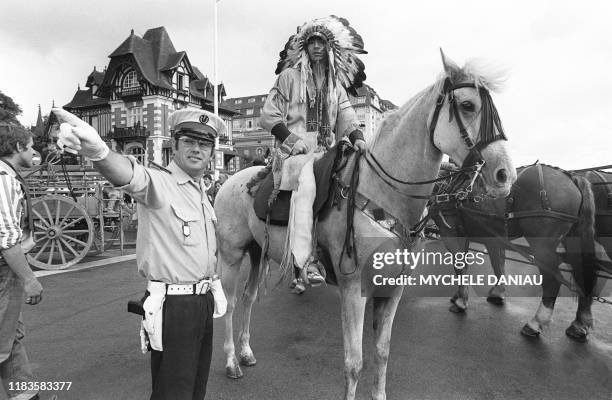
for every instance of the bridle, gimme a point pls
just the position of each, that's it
(491, 130)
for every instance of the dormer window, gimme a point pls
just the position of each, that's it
(130, 80)
(181, 79)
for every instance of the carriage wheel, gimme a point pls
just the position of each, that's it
(63, 232)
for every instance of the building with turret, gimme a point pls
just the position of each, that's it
(129, 101)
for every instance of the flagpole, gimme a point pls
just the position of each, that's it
(215, 84)
(216, 88)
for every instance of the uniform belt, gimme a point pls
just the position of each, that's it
(201, 287)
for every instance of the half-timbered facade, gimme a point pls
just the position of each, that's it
(130, 101)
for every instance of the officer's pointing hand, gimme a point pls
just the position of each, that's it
(80, 136)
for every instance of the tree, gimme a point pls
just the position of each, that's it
(9, 110)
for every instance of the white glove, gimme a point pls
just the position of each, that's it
(219, 298)
(78, 135)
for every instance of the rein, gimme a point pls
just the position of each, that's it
(474, 162)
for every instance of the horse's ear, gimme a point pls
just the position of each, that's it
(449, 65)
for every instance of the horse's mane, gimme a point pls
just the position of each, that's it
(482, 72)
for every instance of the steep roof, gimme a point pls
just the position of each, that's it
(144, 55)
(95, 78)
(154, 57)
(84, 98)
(173, 61)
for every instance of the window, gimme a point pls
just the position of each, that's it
(249, 123)
(360, 100)
(249, 111)
(182, 81)
(252, 100)
(236, 124)
(139, 153)
(130, 80)
(238, 101)
(134, 116)
(264, 98)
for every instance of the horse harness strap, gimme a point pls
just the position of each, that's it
(545, 211)
(381, 217)
(541, 213)
(608, 193)
(543, 196)
(490, 122)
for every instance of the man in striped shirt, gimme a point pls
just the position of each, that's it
(17, 281)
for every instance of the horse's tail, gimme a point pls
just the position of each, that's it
(585, 230)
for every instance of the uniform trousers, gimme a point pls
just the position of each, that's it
(180, 371)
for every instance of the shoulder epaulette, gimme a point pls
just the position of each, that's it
(159, 167)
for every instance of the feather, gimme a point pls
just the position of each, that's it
(344, 45)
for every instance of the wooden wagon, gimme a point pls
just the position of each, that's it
(75, 210)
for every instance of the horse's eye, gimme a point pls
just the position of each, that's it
(467, 106)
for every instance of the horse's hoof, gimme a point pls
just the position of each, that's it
(248, 360)
(454, 308)
(458, 306)
(233, 373)
(498, 301)
(576, 334)
(529, 332)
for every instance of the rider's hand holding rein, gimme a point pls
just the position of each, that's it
(360, 146)
(299, 148)
(80, 136)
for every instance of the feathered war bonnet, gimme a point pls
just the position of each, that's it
(343, 46)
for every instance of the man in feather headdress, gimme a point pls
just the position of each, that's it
(308, 111)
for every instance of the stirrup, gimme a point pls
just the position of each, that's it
(299, 287)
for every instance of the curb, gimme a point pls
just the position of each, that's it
(88, 265)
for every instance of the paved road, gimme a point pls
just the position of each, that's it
(82, 333)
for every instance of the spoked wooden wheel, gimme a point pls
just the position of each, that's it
(63, 232)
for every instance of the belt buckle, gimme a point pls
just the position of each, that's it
(205, 284)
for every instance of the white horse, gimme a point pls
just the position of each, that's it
(444, 118)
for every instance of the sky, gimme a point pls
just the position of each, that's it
(556, 106)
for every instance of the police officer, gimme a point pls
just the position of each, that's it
(175, 249)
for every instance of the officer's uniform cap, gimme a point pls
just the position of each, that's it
(198, 124)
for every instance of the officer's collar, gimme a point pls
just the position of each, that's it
(180, 175)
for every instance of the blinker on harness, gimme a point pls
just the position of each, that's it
(491, 128)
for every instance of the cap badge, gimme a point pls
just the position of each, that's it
(204, 119)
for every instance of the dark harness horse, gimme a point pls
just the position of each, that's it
(548, 207)
(601, 183)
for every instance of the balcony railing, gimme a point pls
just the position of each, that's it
(130, 92)
(130, 132)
